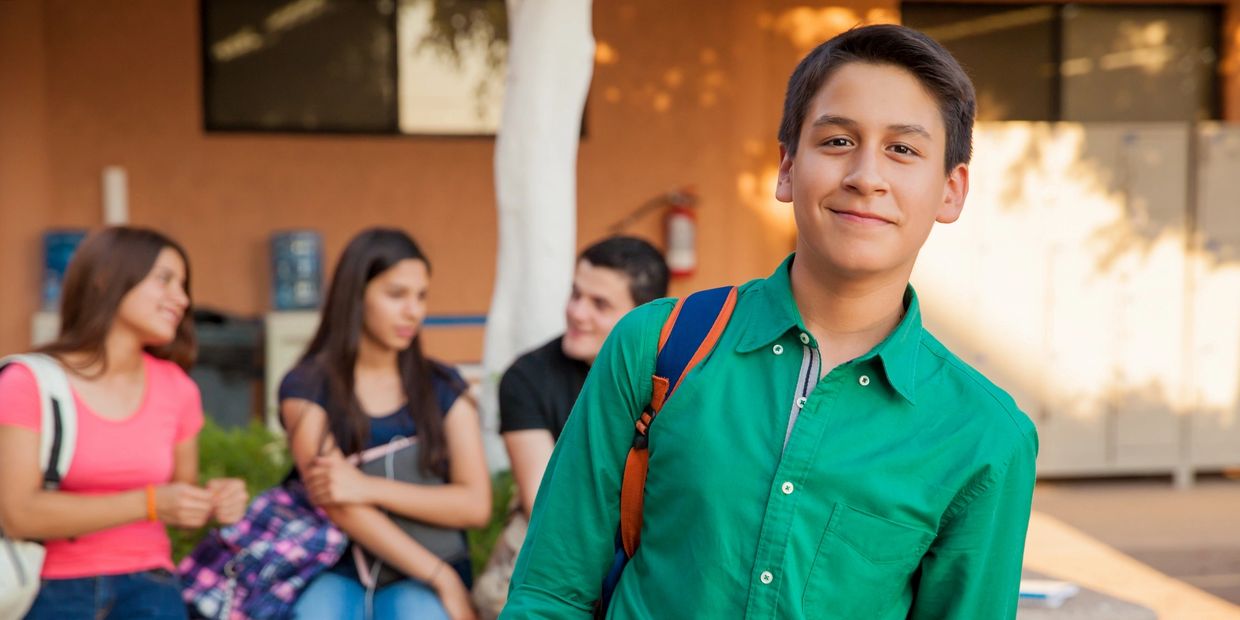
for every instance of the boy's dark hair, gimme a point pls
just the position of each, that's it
(638, 260)
(887, 44)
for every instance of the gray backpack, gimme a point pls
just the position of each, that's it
(398, 460)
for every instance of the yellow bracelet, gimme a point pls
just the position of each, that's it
(151, 514)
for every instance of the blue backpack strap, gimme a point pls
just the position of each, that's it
(690, 333)
(688, 336)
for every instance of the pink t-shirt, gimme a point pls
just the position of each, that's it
(113, 456)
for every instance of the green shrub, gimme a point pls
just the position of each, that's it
(481, 541)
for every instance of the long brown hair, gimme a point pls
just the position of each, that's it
(106, 266)
(334, 349)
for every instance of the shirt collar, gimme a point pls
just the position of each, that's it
(897, 353)
(775, 312)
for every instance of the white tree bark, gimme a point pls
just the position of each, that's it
(550, 63)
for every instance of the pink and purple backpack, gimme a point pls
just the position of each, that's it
(256, 568)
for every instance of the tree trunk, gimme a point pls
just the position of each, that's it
(550, 62)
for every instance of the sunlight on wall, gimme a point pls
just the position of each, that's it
(1066, 281)
(605, 54)
(806, 27)
(757, 193)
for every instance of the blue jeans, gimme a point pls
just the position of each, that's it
(332, 596)
(148, 595)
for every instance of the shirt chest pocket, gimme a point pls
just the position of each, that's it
(863, 566)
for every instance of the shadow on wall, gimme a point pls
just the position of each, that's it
(1074, 280)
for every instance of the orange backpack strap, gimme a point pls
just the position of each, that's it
(688, 336)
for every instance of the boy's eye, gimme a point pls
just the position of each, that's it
(902, 149)
(837, 142)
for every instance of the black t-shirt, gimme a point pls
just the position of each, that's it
(539, 389)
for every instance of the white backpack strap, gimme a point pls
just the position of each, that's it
(377, 452)
(58, 436)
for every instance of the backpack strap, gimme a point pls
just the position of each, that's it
(688, 336)
(59, 415)
(395, 445)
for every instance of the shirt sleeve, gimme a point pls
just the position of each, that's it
(973, 568)
(303, 382)
(191, 420)
(19, 398)
(570, 543)
(521, 406)
(448, 385)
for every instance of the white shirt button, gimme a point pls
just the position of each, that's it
(801, 403)
(787, 488)
(804, 338)
(864, 380)
(778, 349)
(766, 577)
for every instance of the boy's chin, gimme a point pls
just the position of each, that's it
(579, 349)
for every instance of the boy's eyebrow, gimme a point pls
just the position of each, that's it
(831, 119)
(907, 129)
(848, 123)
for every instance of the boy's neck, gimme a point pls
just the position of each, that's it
(848, 316)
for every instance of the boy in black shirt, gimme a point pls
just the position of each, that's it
(537, 392)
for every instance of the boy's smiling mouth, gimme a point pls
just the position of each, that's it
(861, 217)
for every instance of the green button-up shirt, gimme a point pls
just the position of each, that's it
(900, 489)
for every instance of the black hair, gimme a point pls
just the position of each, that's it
(334, 348)
(887, 44)
(639, 261)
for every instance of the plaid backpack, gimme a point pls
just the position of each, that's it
(689, 334)
(255, 569)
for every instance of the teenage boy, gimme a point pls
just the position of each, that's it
(830, 458)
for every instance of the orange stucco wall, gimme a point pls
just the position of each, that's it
(25, 166)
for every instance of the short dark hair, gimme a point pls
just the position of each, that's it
(887, 44)
(635, 258)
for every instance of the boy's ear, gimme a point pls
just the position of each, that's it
(783, 183)
(954, 193)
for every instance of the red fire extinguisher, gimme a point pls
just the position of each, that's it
(680, 226)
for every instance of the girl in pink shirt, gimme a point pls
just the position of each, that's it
(126, 340)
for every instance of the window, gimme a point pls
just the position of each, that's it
(355, 66)
(1078, 62)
